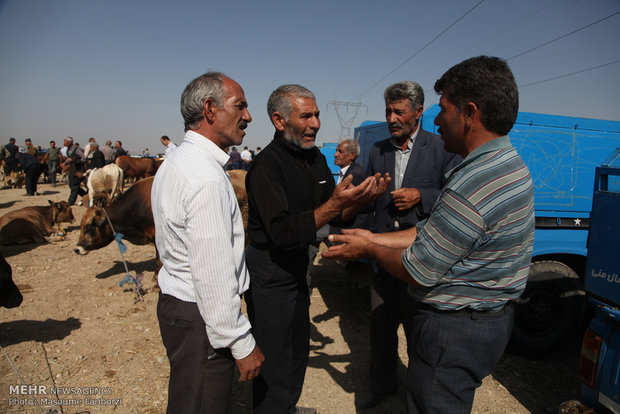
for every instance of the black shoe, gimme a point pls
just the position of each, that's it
(304, 410)
(370, 400)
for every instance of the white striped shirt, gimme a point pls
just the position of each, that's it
(200, 239)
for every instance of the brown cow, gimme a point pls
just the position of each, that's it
(34, 224)
(130, 214)
(137, 168)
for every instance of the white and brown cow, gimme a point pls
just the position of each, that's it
(104, 184)
(34, 224)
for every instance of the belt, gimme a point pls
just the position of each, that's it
(466, 312)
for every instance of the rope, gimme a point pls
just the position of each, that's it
(20, 377)
(129, 278)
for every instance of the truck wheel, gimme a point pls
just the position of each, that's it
(550, 309)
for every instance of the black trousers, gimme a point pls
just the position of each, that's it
(76, 189)
(200, 376)
(33, 172)
(278, 307)
(391, 305)
(453, 352)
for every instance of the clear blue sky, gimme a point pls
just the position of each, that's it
(115, 69)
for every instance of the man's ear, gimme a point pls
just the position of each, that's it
(278, 121)
(208, 110)
(470, 111)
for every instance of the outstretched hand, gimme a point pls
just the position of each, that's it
(352, 244)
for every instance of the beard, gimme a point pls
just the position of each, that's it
(296, 140)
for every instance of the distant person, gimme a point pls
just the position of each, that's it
(468, 261)
(146, 153)
(88, 149)
(97, 159)
(166, 142)
(417, 163)
(119, 150)
(235, 159)
(30, 149)
(204, 274)
(52, 157)
(76, 171)
(11, 161)
(108, 152)
(246, 159)
(32, 169)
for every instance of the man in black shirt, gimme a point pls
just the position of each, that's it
(11, 161)
(291, 193)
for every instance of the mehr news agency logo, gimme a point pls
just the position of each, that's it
(42, 395)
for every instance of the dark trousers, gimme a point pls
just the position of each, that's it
(52, 166)
(453, 352)
(200, 376)
(278, 307)
(391, 305)
(33, 172)
(76, 189)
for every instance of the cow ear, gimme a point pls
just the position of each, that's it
(99, 217)
(51, 202)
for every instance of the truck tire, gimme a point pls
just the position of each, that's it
(551, 308)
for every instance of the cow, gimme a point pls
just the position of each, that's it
(10, 296)
(104, 184)
(129, 214)
(137, 168)
(14, 180)
(34, 224)
(237, 178)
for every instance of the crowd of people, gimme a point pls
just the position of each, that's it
(447, 222)
(71, 161)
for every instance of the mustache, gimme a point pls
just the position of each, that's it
(395, 125)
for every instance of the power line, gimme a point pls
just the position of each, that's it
(569, 74)
(563, 36)
(420, 50)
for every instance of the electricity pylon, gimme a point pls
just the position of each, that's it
(346, 121)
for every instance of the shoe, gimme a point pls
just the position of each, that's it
(37, 193)
(304, 410)
(370, 400)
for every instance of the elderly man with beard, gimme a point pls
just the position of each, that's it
(291, 194)
(200, 240)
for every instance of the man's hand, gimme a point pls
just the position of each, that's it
(405, 198)
(249, 367)
(348, 247)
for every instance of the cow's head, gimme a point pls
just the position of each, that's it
(62, 211)
(10, 297)
(95, 231)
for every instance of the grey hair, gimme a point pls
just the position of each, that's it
(280, 99)
(69, 139)
(352, 146)
(405, 90)
(207, 85)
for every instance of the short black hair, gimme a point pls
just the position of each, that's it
(488, 82)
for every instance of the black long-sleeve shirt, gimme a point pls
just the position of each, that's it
(285, 185)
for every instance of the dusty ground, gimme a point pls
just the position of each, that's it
(78, 329)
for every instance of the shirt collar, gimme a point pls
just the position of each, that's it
(208, 146)
(410, 142)
(344, 170)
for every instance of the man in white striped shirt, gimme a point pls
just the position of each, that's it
(200, 240)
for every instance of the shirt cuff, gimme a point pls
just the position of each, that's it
(243, 346)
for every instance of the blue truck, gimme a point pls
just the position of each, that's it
(599, 365)
(562, 153)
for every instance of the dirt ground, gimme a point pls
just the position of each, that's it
(79, 331)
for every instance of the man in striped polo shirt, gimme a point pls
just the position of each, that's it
(471, 257)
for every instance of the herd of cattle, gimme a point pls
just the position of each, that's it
(114, 211)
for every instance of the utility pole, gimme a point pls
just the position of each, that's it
(347, 112)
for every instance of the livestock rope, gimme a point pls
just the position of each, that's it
(20, 377)
(129, 278)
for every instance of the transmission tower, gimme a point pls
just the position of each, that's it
(347, 112)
